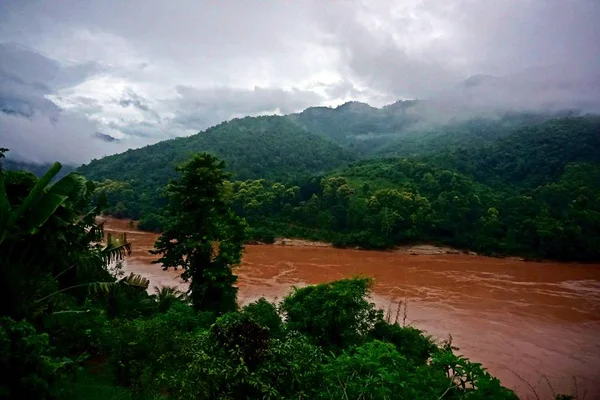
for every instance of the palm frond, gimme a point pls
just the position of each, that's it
(136, 280)
(115, 252)
(133, 280)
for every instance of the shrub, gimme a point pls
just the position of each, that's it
(409, 341)
(241, 336)
(376, 370)
(28, 369)
(335, 315)
(265, 314)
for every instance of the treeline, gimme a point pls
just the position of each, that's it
(71, 327)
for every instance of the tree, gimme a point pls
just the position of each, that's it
(202, 235)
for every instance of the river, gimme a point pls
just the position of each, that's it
(524, 321)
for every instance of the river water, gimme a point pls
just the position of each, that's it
(524, 321)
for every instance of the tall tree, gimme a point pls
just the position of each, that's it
(202, 235)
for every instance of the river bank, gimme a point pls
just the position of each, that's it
(412, 249)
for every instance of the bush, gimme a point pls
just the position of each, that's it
(83, 332)
(241, 336)
(265, 314)
(260, 234)
(28, 369)
(151, 222)
(376, 370)
(335, 315)
(143, 348)
(409, 341)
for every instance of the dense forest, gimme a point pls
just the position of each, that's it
(73, 327)
(519, 184)
(259, 147)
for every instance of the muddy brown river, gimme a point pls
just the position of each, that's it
(524, 321)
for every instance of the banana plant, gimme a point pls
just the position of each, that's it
(64, 211)
(41, 203)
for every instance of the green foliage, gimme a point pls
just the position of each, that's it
(167, 296)
(265, 314)
(410, 342)
(29, 369)
(99, 385)
(202, 235)
(334, 315)
(270, 147)
(49, 241)
(469, 380)
(376, 370)
(241, 337)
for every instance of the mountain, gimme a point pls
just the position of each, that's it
(529, 157)
(416, 127)
(38, 169)
(470, 133)
(358, 125)
(497, 186)
(253, 147)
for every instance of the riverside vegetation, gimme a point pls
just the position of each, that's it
(73, 328)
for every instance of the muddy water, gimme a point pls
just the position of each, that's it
(535, 320)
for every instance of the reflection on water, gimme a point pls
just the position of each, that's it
(532, 319)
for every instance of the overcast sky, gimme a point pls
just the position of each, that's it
(144, 70)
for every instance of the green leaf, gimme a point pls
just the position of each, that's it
(72, 185)
(35, 195)
(39, 215)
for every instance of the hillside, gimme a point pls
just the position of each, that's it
(259, 147)
(357, 125)
(412, 127)
(531, 156)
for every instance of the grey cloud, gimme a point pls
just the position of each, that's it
(40, 139)
(502, 38)
(143, 132)
(199, 108)
(130, 98)
(32, 126)
(342, 89)
(174, 68)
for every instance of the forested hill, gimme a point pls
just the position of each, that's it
(529, 157)
(412, 127)
(253, 147)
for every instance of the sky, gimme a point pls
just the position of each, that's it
(143, 71)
